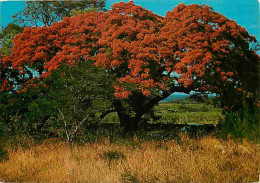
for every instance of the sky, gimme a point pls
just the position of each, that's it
(245, 12)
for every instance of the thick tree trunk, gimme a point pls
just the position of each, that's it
(139, 106)
(124, 122)
(127, 123)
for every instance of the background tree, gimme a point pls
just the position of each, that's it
(192, 48)
(39, 13)
(7, 35)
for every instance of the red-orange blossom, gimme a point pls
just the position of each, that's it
(142, 48)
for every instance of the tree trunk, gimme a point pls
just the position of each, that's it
(127, 123)
(139, 105)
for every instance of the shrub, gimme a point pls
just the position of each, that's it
(242, 124)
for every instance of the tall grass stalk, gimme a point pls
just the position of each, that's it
(207, 160)
(242, 124)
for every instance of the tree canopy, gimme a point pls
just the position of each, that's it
(38, 13)
(7, 35)
(191, 48)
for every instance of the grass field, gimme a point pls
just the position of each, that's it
(206, 160)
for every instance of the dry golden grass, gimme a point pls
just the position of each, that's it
(204, 160)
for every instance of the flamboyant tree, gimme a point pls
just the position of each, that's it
(192, 48)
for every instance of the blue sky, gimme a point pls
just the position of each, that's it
(245, 12)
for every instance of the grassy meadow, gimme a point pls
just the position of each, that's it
(191, 160)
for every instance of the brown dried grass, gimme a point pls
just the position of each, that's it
(202, 160)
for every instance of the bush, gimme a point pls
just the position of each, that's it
(242, 124)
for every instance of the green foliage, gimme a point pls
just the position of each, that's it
(241, 124)
(11, 107)
(3, 155)
(7, 35)
(23, 114)
(128, 178)
(81, 94)
(38, 13)
(64, 104)
(112, 155)
(92, 8)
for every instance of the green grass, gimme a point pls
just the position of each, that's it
(177, 112)
(111, 118)
(185, 111)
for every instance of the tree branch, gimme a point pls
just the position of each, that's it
(65, 125)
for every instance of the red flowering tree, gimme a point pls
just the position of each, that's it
(192, 48)
(212, 53)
